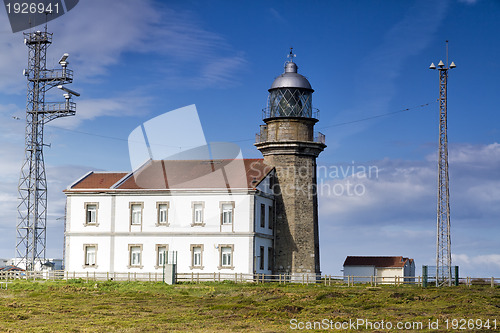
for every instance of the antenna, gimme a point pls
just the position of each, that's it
(291, 55)
(447, 62)
(443, 241)
(32, 209)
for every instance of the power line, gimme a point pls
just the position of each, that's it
(244, 140)
(377, 116)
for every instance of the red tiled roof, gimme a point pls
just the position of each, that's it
(186, 174)
(99, 180)
(377, 261)
(11, 268)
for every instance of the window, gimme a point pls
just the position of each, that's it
(227, 209)
(161, 255)
(270, 258)
(90, 254)
(198, 213)
(91, 213)
(197, 256)
(262, 215)
(270, 217)
(162, 208)
(261, 263)
(135, 213)
(226, 256)
(135, 255)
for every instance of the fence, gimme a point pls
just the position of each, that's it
(327, 280)
(87, 276)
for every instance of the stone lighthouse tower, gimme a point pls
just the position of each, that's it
(289, 144)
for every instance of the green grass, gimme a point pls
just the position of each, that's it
(76, 306)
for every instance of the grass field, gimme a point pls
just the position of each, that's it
(76, 306)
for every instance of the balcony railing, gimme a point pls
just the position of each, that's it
(318, 137)
(52, 75)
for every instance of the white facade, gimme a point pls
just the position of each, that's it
(210, 230)
(49, 264)
(361, 273)
(3, 262)
(385, 269)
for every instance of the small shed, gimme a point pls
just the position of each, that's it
(386, 269)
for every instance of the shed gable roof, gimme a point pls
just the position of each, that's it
(398, 261)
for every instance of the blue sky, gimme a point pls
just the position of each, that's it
(137, 60)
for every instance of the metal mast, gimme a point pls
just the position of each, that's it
(32, 209)
(443, 241)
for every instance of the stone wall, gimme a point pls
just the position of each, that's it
(289, 147)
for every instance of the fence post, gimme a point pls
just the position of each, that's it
(492, 282)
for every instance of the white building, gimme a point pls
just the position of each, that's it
(48, 265)
(216, 215)
(386, 269)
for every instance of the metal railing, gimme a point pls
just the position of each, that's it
(197, 277)
(320, 137)
(53, 107)
(262, 137)
(52, 75)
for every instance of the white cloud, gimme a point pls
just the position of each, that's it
(487, 263)
(58, 178)
(396, 214)
(98, 33)
(117, 106)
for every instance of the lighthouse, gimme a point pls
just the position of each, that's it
(289, 144)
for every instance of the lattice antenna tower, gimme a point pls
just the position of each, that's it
(443, 241)
(32, 209)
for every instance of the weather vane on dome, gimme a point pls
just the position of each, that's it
(291, 55)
